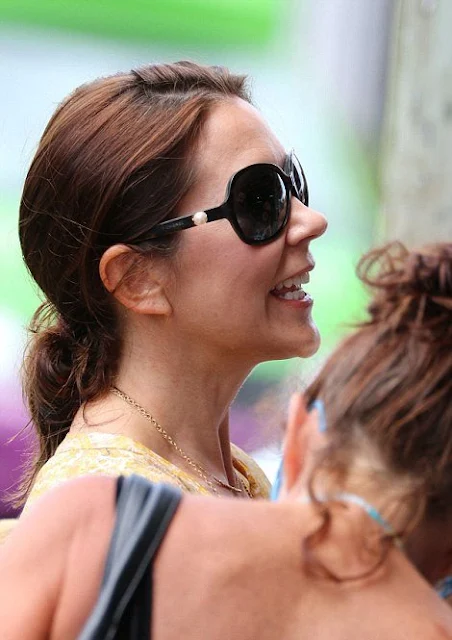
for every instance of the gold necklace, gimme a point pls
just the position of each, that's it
(203, 473)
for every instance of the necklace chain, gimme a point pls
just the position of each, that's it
(203, 473)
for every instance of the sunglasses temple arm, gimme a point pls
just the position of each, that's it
(171, 226)
(218, 213)
(184, 222)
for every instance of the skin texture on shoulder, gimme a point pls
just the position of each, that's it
(52, 563)
(244, 575)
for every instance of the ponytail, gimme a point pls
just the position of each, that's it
(64, 367)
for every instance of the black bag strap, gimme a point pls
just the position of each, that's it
(143, 514)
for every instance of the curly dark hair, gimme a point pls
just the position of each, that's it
(389, 384)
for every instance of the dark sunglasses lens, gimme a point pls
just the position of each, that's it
(299, 180)
(259, 202)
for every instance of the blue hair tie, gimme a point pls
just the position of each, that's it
(318, 404)
(444, 587)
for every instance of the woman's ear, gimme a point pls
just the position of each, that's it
(136, 287)
(300, 427)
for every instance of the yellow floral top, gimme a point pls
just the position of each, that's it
(115, 455)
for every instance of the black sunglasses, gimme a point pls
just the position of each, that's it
(257, 202)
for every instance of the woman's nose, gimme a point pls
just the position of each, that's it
(305, 223)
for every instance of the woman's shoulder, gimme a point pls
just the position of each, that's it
(99, 453)
(258, 482)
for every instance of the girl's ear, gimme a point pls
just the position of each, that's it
(293, 453)
(302, 433)
(140, 288)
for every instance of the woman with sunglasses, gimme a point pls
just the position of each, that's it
(169, 232)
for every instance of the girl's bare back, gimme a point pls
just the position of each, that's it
(226, 569)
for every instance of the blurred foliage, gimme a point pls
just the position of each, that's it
(216, 23)
(18, 296)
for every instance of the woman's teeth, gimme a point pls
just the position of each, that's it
(291, 289)
(298, 294)
(296, 282)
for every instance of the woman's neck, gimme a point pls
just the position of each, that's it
(186, 392)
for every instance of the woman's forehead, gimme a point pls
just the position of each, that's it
(236, 135)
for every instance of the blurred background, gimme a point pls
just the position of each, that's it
(360, 88)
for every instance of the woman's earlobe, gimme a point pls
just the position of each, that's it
(140, 289)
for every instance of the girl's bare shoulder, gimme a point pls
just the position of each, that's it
(63, 536)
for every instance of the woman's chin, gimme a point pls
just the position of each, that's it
(304, 345)
(309, 342)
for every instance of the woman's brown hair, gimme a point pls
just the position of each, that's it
(389, 384)
(115, 159)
